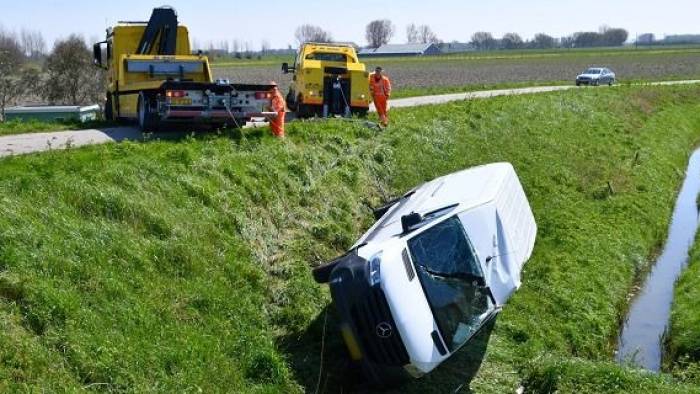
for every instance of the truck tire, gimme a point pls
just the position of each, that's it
(291, 101)
(109, 110)
(148, 121)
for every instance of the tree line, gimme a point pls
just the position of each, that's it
(380, 32)
(63, 76)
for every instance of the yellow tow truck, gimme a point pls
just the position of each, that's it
(154, 78)
(328, 79)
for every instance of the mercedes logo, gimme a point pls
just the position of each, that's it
(384, 330)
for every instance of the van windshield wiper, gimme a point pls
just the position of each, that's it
(462, 276)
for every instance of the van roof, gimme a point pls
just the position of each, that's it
(465, 190)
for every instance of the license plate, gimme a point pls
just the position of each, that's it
(181, 101)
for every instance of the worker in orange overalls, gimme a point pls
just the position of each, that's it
(278, 105)
(380, 88)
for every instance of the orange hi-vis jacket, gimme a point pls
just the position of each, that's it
(381, 88)
(277, 103)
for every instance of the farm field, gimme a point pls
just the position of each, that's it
(454, 73)
(184, 265)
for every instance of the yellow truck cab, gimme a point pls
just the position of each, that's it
(153, 78)
(328, 79)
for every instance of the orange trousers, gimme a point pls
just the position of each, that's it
(381, 104)
(277, 124)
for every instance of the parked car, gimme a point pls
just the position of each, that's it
(436, 267)
(596, 76)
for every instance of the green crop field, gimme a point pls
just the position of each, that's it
(413, 76)
(184, 265)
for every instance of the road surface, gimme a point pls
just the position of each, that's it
(40, 142)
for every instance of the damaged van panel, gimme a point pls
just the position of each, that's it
(435, 268)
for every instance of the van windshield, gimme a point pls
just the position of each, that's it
(452, 280)
(327, 57)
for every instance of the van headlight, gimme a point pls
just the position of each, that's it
(375, 276)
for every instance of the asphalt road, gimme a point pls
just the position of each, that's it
(39, 142)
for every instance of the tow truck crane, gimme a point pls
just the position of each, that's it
(154, 78)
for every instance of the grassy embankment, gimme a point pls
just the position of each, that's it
(683, 342)
(184, 265)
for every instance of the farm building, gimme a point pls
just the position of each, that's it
(401, 50)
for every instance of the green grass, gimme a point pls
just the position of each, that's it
(34, 126)
(683, 342)
(177, 266)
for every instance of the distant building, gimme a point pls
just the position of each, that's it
(682, 39)
(457, 47)
(401, 50)
(646, 39)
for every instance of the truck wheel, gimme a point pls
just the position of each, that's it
(148, 121)
(304, 111)
(109, 111)
(291, 101)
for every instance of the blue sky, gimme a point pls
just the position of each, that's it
(275, 21)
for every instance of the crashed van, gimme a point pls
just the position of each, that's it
(436, 267)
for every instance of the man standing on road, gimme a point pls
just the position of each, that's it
(380, 88)
(278, 105)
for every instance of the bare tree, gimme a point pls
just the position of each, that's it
(311, 33)
(426, 35)
(236, 48)
(71, 77)
(379, 32)
(264, 47)
(512, 41)
(412, 34)
(11, 61)
(33, 43)
(543, 41)
(483, 40)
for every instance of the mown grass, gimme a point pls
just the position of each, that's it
(683, 341)
(35, 126)
(184, 265)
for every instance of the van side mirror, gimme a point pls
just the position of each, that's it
(97, 54)
(286, 69)
(411, 220)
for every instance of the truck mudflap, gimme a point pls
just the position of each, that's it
(367, 326)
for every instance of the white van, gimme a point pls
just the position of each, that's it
(438, 265)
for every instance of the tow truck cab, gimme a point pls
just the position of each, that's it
(153, 77)
(438, 265)
(328, 79)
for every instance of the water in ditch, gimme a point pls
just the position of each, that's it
(641, 339)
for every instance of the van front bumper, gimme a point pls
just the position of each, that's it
(367, 326)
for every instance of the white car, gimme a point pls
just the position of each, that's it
(596, 76)
(438, 265)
